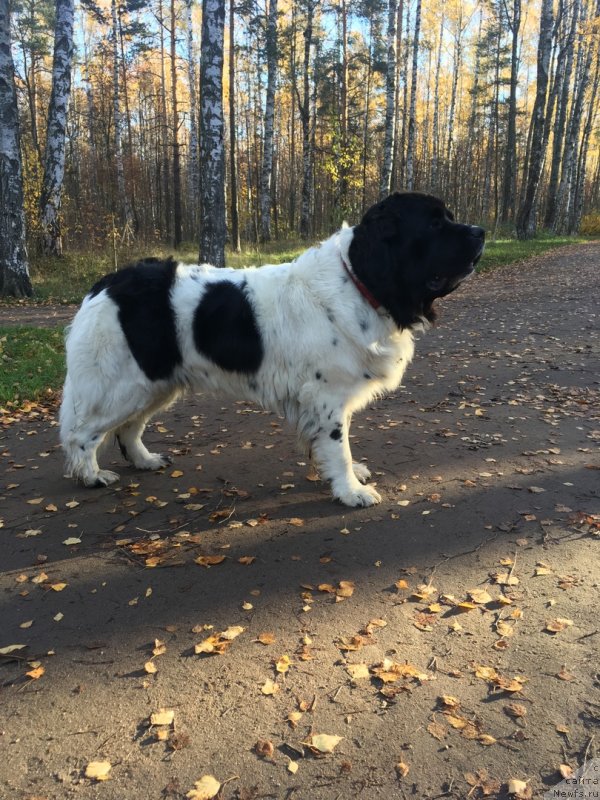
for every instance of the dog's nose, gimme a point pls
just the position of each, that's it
(477, 232)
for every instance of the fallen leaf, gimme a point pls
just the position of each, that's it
(36, 673)
(283, 664)
(264, 748)
(558, 624)
(150, 667)
(269, 687)
(292, 767)
(323, 742)
(205, 789)
(437, 730)
(98, 770)
(209, 561)
(164, 716)
(357, 671)
(265, 638)
(72, 540)
(402, 769)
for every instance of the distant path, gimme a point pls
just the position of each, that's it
(37, 316)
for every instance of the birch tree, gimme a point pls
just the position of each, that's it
(510, 157)
(193, 174)
(305, 116)
(175, 134)
(412, 117)
(526, 218)
(233, 170)
(123, 196)
(212, 152)
(54, 156)
(269, 123)
(390, 101)
(14, 266)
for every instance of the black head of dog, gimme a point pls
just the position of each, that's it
(408, 251)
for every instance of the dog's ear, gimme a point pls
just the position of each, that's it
(384, 219)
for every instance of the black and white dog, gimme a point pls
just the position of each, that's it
(314, 340)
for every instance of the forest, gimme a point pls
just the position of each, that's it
(171, 121)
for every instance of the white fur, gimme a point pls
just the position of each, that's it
(299, 308)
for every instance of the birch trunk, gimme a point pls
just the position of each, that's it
(526, 218)
(435, 155)
(193, 177)
(390, 103)
(510, 159)
(175, 134)
(566, 187)
(54, 155)
(235, 214)
(212, 127)
(564, 70)
(123, 198)
(412, 121)
(14, 267)
(307, 139)
(266, 174)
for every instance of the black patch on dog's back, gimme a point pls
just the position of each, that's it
(142, 294)
(225, 328)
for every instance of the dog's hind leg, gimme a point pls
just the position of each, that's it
(129, 437)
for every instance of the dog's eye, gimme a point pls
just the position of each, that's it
(435, 223)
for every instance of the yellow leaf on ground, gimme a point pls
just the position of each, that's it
(269, 687)
(164, 716)
(324, 742)
(283, 664)
(265, 638)
(36, 673)
(205, 789)
(357, 671)
(98, 770)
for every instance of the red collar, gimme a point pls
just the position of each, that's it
(362, 288)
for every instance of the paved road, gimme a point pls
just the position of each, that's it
(487, 460)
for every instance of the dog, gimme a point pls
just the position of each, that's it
(314, 340)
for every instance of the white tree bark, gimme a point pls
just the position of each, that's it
(526, 218)
(390, 102)
(123, 197)
(54, 155)
(212, 152)
(193, 170)
(412, 117)
(268, 145)
(14, 267)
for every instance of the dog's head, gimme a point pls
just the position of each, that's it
(408, 251)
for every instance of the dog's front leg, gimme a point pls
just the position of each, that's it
(330, 449)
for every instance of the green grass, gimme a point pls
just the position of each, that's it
(68, 279)
(32, 364)
(508, 251)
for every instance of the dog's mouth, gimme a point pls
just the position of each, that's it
(444, 284)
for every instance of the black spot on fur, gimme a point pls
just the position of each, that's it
(334, 342)
(318, 376)
(364, 325)
(225, 328)
(367, 376)
(336, 434)
(142, 294)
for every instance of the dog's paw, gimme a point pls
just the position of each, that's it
(361, 471)
(155, 461)
(104, 478)
(360, 497)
